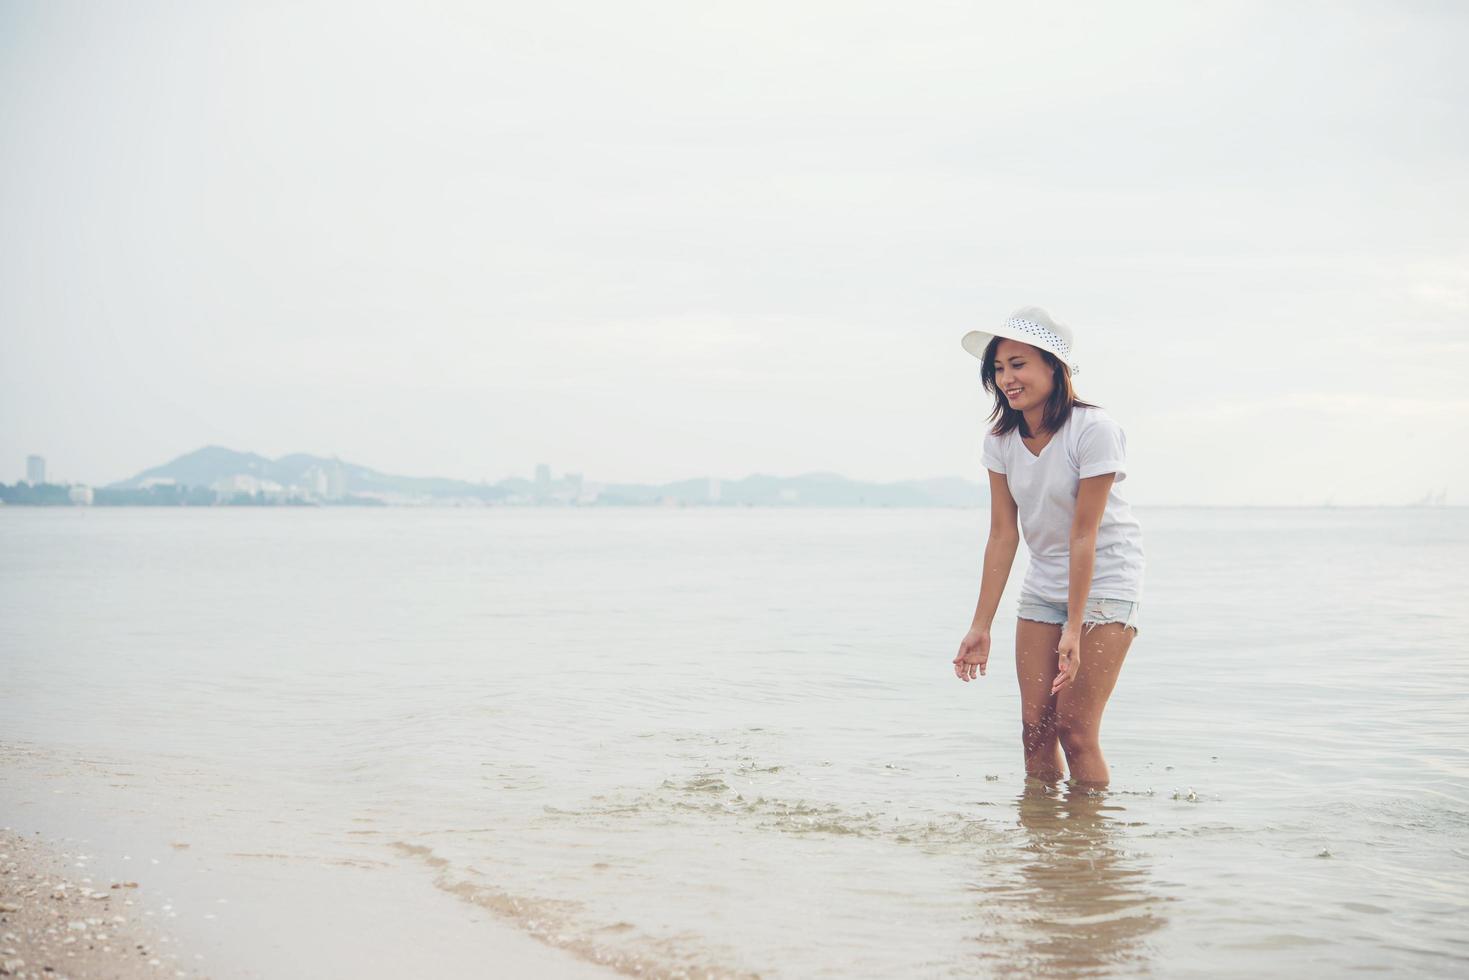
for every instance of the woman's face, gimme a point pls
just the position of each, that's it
(1022, 375)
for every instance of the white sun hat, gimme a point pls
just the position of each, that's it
(1029, 325)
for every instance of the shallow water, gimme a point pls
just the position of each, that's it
(730, 742)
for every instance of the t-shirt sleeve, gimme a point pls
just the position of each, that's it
(990, 454)
(1102, 449)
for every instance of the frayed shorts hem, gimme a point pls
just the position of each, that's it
(1096, 611)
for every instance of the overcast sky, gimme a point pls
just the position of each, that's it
(648, 241)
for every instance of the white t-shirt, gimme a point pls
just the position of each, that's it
(1090, 443)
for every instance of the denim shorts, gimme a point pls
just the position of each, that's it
(1097, 610)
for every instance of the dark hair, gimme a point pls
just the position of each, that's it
(1058, 407)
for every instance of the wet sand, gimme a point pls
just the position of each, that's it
(58, 921)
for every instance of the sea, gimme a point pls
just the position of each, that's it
(729, 742)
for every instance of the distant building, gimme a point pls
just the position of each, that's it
(315, 484)
(80, 495)
(35, 470)
(336, 481)
(245, 483)
(567, 490)
(714, 490)
(543, 483)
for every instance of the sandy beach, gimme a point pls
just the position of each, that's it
(57, 920)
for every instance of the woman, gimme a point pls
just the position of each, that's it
(1054, 461)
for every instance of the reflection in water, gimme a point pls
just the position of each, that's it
(1072, 901)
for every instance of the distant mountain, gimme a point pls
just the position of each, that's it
(329, 479)
(201, 468)
(214, 465)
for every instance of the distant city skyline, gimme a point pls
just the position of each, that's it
(218, 475)
(327, 482)
(655, 241)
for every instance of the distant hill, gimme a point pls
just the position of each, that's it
(216, 466)
(213, 465)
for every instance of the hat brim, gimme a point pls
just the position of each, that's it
(975, 342)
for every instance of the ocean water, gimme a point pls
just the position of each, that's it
(730, 742)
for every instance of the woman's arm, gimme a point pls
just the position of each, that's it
(999, 556)
(1091, 501)
(999, 551)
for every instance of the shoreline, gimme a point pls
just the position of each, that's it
(203, 909)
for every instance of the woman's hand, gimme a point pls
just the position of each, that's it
(1069, 661)
(974, 651)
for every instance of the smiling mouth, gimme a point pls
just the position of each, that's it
(1014, 392)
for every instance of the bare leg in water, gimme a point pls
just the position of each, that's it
(1069, 722)
(1079, 706)
(1035, 666)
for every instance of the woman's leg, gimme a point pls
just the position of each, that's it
(1035, 665)
(1079, 706)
